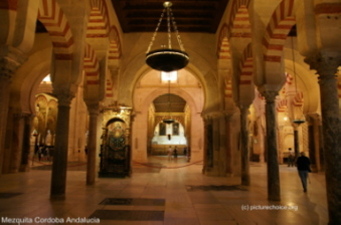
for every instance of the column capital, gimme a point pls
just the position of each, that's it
(325, 63)
(64, 96)
(22, 115)
(93, 107)
(10, 61)
(270, 96)
(214, 115)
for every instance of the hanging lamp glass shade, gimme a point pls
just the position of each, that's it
(168, 120)
(298, 121)
(167, 59)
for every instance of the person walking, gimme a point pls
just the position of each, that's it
(303, 167)
(291, 160)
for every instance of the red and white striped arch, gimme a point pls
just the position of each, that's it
(98, 25)
(280, 24)
(239, 25)
(228, 89)
(282, 105)
(114, 46)
(109, 90)
(298, 99)
(223, 49)
(58, 28)
(91, 66)
(246, 67)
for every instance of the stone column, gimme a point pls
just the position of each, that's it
(60, 154)
(92, 143)
(245, 153)
(208, 149)
(17, 140)
(326, 66)
(223, 145)
(26, 148)
(8, 65)
(271, 143)
(5, 80)
(314, 142)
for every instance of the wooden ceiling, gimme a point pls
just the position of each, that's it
(190, 15)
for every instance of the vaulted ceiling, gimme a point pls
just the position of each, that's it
(169, 103)
(190, 15)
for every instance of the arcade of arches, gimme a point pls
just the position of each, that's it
(264, 86)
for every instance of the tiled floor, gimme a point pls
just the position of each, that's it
(162, 193)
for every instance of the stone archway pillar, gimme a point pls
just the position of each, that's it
(244, 145)
(326, 64)
(215, 150)
(8, 65)
(92, 143)
(26, 148)
(17, 142)
(271, 142)
(60, 153)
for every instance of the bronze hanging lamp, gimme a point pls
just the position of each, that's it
(167, 59)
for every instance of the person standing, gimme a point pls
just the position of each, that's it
(303, 167)
(175, 153)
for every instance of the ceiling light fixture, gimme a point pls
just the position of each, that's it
(167, 59)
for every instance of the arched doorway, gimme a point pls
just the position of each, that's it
(169, 134)
(150, 95)
(115, 150)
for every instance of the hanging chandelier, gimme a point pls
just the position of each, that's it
(167, 59)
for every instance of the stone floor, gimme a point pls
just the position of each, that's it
(161, 193)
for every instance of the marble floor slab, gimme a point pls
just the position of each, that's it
(162, 192)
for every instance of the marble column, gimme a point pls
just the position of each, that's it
(271, 143)
(92, 143)
(245, 153)
(60, 154)
(26, 148)
(326, 66)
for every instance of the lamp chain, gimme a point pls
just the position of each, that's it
(169, 29)
(169, 102)
(170, 19)
(176, 31)
(294, 63)
(156, 30)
